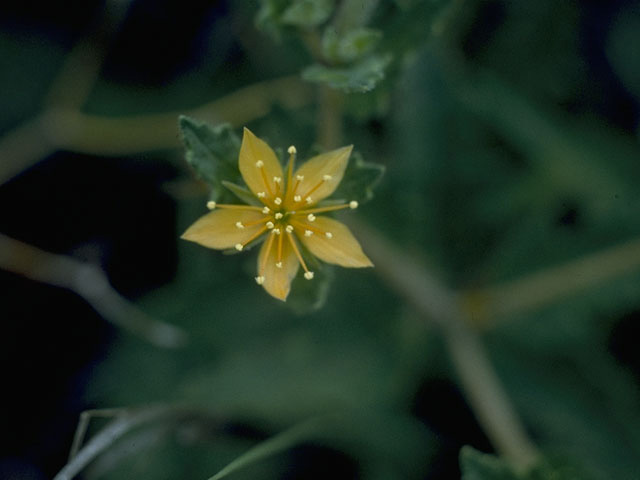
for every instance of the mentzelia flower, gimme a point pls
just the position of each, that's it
(287, 217)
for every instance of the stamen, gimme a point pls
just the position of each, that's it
(297, 198)
(308, 275)
(280, 237)
(259, 164)
(279, 216)
(239, 207)
(308, 233)
(255, 222)
(328, 234)
(289, 229)
(326, 178)
(299, 177)
(292, 150)
(276, 231)
(261, 194)
(297, 252)
(279, 264)
(353, 204)
(309, 200)
(239, 247)
(266, 210)
(309, 228)
(239, 225)
(211, 205)
(270, 225)
(267, 252)
(277, 201)
(260, 279)
(264, 176)
(311, 217)
(277, 180)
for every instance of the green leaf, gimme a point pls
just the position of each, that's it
(268, 17)
(361, 77)
(476, 465)
(212, 152)
(308, 13)
(352, 46)
(359, 179)
(242, 193)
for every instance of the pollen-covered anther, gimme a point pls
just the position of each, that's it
(309, 200)
(289, 229)
(277, 201)
(292, 150)
(300, 177)
(261, 194)
(270, 225)
(259, 164)
(266, 210)
(211, 205)
(311, 217)
(278, 264)
(277, 179)
(276, 231)
(353, 204)
(239, 225)
(326, 178)
(278, 215)
(297, 198)
(308, 233)
(308, 275)
(239, 247)
(260, 279)
(328, 234)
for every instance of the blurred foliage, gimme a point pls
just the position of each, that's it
(509, 135)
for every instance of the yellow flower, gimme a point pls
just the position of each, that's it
(287, 218)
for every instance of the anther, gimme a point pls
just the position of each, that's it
(276, 231)
(328, 234)
(289, 229)
(299, 177)
(239, 225)
(261, 194)
(278, 216)
(277, 201)
(308, 200)
(353, 204)
(266, 210)
(278, 264)
(326, 178)
(260, 279)
(308, 233)
(311, 217)
(259, 164)
(308, 275)
(277, 179)
(292, 150)
(239, 247)
(297, 198)
(270, 225)
(211, 205)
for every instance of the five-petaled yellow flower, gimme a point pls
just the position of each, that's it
(287, 217)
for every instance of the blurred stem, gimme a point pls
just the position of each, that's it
(89, 282)
(478, 380)
(533, 291)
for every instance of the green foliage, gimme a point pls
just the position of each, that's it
(349, 47)
(361, 77)
(307, 13)
(212, 152)
(360, 178)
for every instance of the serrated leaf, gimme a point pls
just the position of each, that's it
(212, 152)
(359, 179)
(362, 76)
(308, 13)
(476, 465)
(352, 46)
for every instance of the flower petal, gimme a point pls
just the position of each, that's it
(342, 248)
(218, 229)
(331, 163)
(277, 281)
(254, 150)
